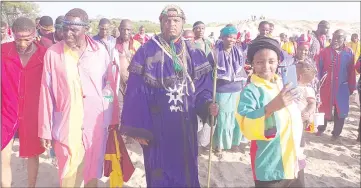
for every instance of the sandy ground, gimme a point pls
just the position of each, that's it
(329, 164)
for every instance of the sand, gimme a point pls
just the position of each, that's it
(329, 164)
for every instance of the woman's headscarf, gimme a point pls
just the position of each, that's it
(304, 40)
(263, 43)
(228, 30)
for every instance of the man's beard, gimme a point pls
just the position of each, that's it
(172, 37)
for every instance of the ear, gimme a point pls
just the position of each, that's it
(87, 28)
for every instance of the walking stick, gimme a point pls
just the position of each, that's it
(212, 118)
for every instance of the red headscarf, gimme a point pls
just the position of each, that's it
(304, 40)
(247, 38)
(239, 35)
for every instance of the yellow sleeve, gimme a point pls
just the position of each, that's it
(284, 46)
(250, 118)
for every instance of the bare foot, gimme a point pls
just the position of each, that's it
(201, 150)
(234, 148)
(242, 148)
(218, 153)
(54, 162)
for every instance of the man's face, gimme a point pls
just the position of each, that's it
(73, 34)
(354, 38)
(44, 32)
(23, 40)
(264, 29)
(104, 30)
(338, 40)
(271, 28)
(125, 31)
(199, 31)
(172, 26)
(283, 38)
(324, 29)
(142, 30)
(3, 32)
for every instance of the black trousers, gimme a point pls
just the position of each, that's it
(299, 182)
(337, 126)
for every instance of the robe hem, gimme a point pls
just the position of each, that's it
(136, 132)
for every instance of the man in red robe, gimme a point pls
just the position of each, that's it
(336, 64)
(21, 70)
(141, 36)
(46, 31)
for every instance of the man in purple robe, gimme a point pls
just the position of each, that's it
(170, 83)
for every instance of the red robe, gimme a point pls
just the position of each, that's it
(340, 81)
(140, 39)
(20, 98)
(47, 40)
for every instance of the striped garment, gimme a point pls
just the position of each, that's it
(275, 141)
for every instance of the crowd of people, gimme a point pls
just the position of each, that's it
(75, 95)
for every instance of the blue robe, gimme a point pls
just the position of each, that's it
(170, 159)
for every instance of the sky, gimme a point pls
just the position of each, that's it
(212, 11)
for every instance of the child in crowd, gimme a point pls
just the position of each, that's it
(306, 102)
(270, 119)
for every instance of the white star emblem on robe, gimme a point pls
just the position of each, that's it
(175, 95)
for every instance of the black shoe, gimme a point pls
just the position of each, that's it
(334, 138)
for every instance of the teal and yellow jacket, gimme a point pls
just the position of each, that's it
(275, 141)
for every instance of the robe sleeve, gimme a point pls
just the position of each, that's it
(320, 62)
(135, 118)
(351, 75)
(204, 97)
(46, 100)
(203, 83)
(358, 65)
(251, 119)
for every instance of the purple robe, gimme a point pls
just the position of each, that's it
(170, 159)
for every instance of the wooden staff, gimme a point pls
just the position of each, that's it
(215, 58)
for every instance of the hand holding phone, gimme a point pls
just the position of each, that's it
(289, 75)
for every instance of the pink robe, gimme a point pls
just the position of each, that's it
(94, 70)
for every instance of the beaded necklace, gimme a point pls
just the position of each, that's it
(172, 50)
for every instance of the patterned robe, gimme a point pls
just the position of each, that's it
(161, 107)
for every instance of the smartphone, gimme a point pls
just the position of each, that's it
(289, 75)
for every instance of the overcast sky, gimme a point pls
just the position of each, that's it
(212, 11)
